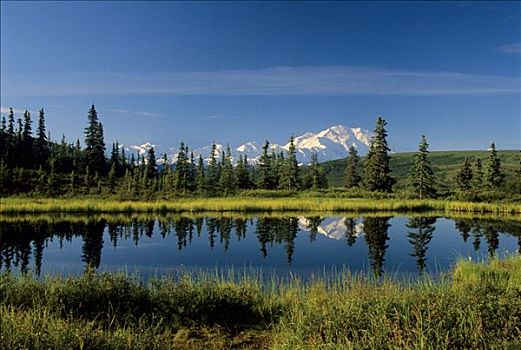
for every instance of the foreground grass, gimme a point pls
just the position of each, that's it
(248, 205)
(478, 307)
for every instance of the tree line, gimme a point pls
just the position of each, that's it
(34, 164)
(470, 179)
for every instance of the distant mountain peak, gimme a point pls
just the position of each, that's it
(329, 144)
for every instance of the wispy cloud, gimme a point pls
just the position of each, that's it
(128, 112)
(15, 110)
(514, 48)
(275, 81)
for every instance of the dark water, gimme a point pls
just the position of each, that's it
(272, 245)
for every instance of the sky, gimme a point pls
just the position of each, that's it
(232, 72)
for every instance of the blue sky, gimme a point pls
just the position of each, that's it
(233, 72)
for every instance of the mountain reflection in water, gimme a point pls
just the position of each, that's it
(323, 241)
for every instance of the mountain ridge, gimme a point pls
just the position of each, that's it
(330, 143)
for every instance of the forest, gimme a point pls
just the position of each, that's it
(31, 164)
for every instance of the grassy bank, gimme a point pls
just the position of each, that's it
(478, 307)
(248, 205)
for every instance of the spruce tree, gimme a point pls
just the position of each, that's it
(95, 144)
(242, 172)
(464, 177)
(200, 177)
(227, 181)
(421, 174)
(352, 175)
(376, 168)
(182, 170)
(290, 177)
(112, 178)
(494, 176)
(212, 172)
(477, 180)
(151, 166)
(315, 177)
(264, 179)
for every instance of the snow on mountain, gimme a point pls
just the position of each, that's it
(331, 143)
(333, 228)
(141, 149)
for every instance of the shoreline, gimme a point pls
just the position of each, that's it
(10, 205)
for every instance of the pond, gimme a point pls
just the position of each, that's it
(300, 245)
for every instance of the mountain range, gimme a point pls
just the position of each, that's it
(332, 227)
(329, 144)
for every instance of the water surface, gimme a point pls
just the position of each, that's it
(302, 245)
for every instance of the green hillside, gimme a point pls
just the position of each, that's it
(445, 165)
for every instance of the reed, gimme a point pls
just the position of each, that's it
(249, 205)
(469, 309)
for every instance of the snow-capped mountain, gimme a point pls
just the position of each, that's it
(330, 143)
(334, 228)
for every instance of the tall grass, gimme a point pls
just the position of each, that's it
(95, 311)
(248, 205)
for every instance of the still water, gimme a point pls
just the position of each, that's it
(302, 245)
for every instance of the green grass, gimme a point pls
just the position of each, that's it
(249, 205)
(478, 307)
(445, 165)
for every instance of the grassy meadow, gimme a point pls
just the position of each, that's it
(444, 163)
(477, 305)
(249, 205)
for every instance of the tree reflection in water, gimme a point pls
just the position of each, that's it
(23, 241)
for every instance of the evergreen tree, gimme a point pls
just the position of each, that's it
(242, 173)
(315, 177)
(52, 182)
(182, 170)
(227, 179)
(151, 166)
(264, 180)
(212, 173)
(477, 181)
(87, 180)
(376, 168)
(494, 176)
(112, 178)
(352, 176)
(200, 177)
(95, 144)
(73, 181)
(10, 140)
(421, 174)
(40, 143)
(464, 176)
(290, 177)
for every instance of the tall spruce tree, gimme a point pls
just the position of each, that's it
(464, 176)
(40, 143)
(421, 174)
(289, 177)
(352, 174)
(242, 172)
(151, 164)
(227, 181)
(95, 144)
(376, 168)
(494, 175)
(315, 177)
(212, 172)
(477, 176)
(200, 182)
(182, 170)
(265, 175)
